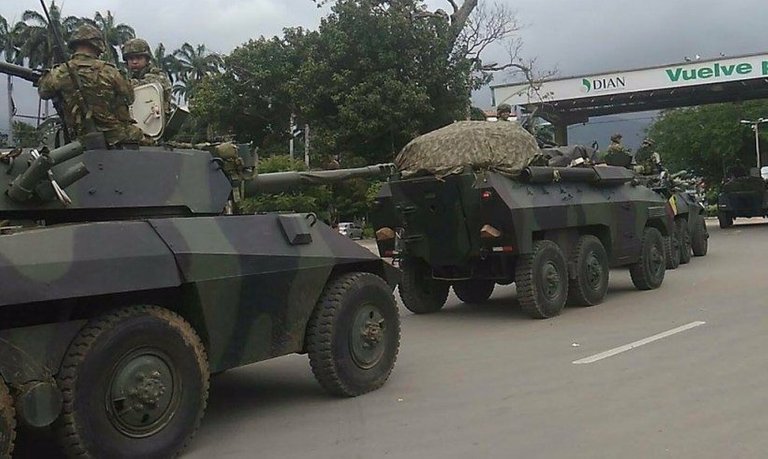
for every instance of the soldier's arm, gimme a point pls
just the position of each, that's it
(123, 87)
(49, 84)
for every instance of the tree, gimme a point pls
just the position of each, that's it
(707, 139)
(33, 32)
(194, 64)
(115, 35)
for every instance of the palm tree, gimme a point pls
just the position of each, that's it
(33, 31)
(166, 62)
(114, 34)
(194, 63)
(10, 51)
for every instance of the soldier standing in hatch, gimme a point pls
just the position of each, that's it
(141, 70)
(617, 154)
(105, 93)
(503, 112)
(647, 159)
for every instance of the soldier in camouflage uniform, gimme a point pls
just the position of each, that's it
(138, 57)
(647, 161)
(617, 154)
(105, 93)
(503, 112)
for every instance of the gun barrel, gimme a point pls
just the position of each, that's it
(21, 72)
(277, 182)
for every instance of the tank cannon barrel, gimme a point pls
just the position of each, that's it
(276, 182)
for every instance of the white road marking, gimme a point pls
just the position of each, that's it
(627, 347)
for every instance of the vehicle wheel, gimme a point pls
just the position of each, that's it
(353, 335)
(591, 263)
(134, 383)
(648, 272)
(7, 422)
(700, 239)
(474, 291)
(542, 280)
(420, 293)
(672, 250)
(681, 227)
(725, 219)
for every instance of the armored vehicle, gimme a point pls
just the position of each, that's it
(126, 283)
(742, 196)
(469, 210)
(690, 235)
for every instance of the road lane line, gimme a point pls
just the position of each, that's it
(627, 347)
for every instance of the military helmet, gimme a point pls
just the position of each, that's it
(136, 47)
(616, 137)
(87, 34)
(504, 108)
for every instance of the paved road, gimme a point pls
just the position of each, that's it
(488, 382)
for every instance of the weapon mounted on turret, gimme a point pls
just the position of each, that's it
(73, 183)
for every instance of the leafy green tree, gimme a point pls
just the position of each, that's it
(33, 32)
(194, 63)
(114, 34)
(25, 135)
(709, 138)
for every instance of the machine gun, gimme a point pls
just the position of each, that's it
(31, 75)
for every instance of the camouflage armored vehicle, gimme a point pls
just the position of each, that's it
(743, 196)
(126, 284)
(690, 235)
(469, 211)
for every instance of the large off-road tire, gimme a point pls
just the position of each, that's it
(542, 280)
(420, 293)
(590, 261)
(648, 272)
(672, 250)
(681, 228)
(474, 291)
(134, 383)
(700, 239)
(7, 422)
(353, 335)
(725, 219)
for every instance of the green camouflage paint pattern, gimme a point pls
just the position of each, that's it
(147, 227)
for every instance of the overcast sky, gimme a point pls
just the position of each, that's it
(573, 36)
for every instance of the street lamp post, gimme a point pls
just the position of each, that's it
(756, 127)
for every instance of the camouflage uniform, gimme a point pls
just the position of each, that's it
(106, 93)
(618, 154)
(503, 112)
(150, 73)
(648, 161)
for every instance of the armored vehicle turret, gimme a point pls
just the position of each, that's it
(471, 209)
(126, 283)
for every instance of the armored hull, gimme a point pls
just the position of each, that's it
(553, 231)
(742, 197)
(127, 283)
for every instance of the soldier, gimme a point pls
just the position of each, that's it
(647, 160)
(617, 154)
(138, 57)
(104, 93)
(503, 112)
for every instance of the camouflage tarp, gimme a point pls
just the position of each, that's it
(742, 184)
(501, 146)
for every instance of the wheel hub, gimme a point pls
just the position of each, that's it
(368, 340)
(551, 278)
(594, 272)
(143, 393)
